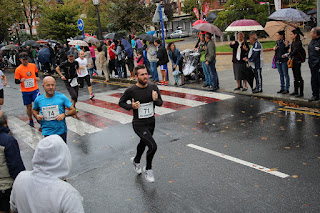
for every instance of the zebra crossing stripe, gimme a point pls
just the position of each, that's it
(22, 131)
(106, 113)
(80, 127)
(216, 95)
(115, 100)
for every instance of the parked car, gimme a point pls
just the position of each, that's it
(178, 34)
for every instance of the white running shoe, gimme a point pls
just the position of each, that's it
(137, 166)
(149, 175)
(91, 96)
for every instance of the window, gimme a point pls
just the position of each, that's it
(22, 26)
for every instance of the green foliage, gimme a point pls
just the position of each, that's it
(59, 22)
(305, 5)
(240, 9)
(168, 10)
(11, 13)
(188, 6)
(91, 20)
(129, 15)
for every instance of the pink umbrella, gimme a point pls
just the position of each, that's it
(198, 22)
(207, 27)
(244, 25)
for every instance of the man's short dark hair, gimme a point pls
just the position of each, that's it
(3, 119)
(316, 30)
(158, 41)
(139, 67)
(24, 55)
(208, 35)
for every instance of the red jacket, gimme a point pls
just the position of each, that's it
(112, 55)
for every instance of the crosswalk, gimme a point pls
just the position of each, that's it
(103, 111)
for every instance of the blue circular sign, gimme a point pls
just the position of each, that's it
(80, 24)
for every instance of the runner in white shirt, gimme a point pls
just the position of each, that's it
(84, 75)
(3, 82)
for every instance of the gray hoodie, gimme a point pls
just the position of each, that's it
(42, 190)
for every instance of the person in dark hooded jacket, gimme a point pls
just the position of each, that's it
(10, 163)
(314, 62)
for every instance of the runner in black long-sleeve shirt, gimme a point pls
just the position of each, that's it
(144, 97)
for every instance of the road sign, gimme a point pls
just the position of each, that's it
(156, 17)
(80, 24)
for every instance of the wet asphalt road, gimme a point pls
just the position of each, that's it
(190, 180)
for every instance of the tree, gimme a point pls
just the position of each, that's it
(188, 6)
(305, 6)
(129, 15)
(10, 14)
(240, 9)
(30, 11)
(59, 22)
(168, 9)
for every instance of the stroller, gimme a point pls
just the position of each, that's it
(192, 68)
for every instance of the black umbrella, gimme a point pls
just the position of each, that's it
(10, 46)
(310, 12)
(113, 36)
(147, 37)
(211, 17)
(249, 75)
(31, 43)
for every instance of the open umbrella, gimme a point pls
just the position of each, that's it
(147, 37)
(244, 25)
(272, 27)
(78, 43)
(310, 12)
(208, 28)
(78, 37)
(31, 43)
(92, 40)
(211, 17)
(127, 47)
(289, 14)
(198, 22)
(113, 36)
(10, 46)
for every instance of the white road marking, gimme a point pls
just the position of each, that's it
(115, 100)
(23, 131)
(80, 127)
(183, 101)
(236, 160)
(209, 94)
(106, 113)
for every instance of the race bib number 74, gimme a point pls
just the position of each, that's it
(50, 112)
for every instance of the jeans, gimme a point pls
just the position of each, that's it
(154, 71)
(215, 80)
(283, 72)
(207, 73)
(91, 71)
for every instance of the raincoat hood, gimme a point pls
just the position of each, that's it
(52, 158)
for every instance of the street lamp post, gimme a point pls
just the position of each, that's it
(96, 4)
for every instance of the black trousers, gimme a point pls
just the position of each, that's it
(145, 132)
(73, 91)
(296, 70)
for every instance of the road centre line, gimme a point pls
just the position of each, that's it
(300, 111)
(236, 160)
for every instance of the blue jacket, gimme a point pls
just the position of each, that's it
(10, 150)
(177, 54)
(256, 55)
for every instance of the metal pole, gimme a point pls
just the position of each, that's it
(318, 13)
(162, 31)
(99, 24)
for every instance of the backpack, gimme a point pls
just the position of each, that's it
(302, 54)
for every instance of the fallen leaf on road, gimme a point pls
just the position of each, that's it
(225, 146)
(129, 199)
(287, 147)
(273, 169)
(281, 195)
(161, 156)
(123, 163)
(222, 131)
(170, 181)
(306, 204)
(213, 124)
(299, 120)
(176, 165)
(315, 135)
(305, 164)
(182, 125)
(256, 185)
(243, 111)
(179, 153)
(294, 176)
(264, 138)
